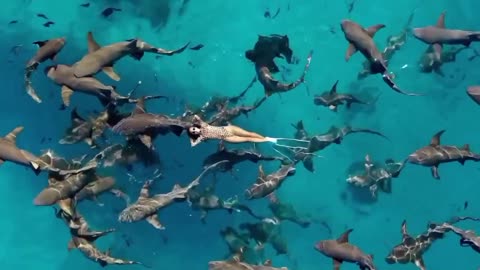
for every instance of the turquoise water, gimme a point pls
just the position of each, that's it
(32, 238)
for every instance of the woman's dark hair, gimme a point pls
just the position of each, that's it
(190, 134)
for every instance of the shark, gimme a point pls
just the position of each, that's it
(435, 154)
(341, 250)
(103, 58)
(438, 35)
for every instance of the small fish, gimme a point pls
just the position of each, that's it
(109, 11)
(465, 205)
(276, 13)
(41, 15)
(47, 24)
(85, 5)
(474, 56)
(197, 47)
(12, 22)
(351, 6)
(267, 14)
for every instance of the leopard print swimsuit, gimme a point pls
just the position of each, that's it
(212, 132)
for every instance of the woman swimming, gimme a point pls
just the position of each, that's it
(201, 131)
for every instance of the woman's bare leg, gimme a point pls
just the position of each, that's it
(238, 139)
(243, 133)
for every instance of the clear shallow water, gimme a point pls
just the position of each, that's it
(33, 239)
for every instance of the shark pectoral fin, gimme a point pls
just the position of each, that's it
(146, 140)
(153, 220)
(89, 141)
(12, 136)
(441, 20)
(333, 90)
(267, 262)
(137, 55)
(467, 43)
(350, 51)
(67, 93)
(53, 57)
(110, 72)
(35, 165)
(435, 172)
(71, 245)
(337, 264)
(437, 50)
(92, 44)
(372, 30)
(420, 264)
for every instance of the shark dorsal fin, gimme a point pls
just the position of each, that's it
(333, 129)
(368, 163)
(368, 159)
(404, 228)
(466, 147)
(300, 125)
(92, 44)
(176, 187)
(441, 20)
(140, 106)
(372, 30)
(436, 138)
(333, 90)
(12, 136)
(344, 237)
(267, 262)
(261, 172)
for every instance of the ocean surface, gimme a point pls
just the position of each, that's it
(32, 238)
